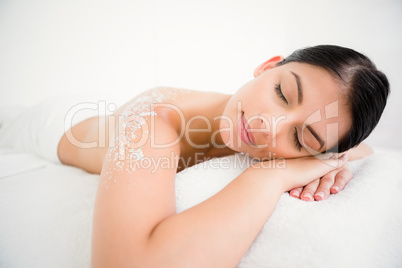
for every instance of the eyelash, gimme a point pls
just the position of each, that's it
(297, 142)
(279, 93)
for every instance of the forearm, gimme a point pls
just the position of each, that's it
(359, 152)
(217, 232)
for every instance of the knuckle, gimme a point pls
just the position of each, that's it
(309, 189)
(325, 185)
(312, 184)
(327, 178)
(341, 179)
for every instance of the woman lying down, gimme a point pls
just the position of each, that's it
(309, 111)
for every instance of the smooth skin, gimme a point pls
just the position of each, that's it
(135, 223)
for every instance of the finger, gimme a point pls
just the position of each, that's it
(311, 168)
(326, 182)
(341, 179)
(309, 190)
(296, 192)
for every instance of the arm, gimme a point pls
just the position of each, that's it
(219, 231)
(135, 224)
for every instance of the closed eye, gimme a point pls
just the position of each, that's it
(278, 91)
(297, 142)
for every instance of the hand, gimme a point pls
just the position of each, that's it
(298, 171)
(319, 189)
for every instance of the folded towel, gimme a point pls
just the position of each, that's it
(47, 217)
(358, 227)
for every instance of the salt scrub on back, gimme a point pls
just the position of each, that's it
(134, 121)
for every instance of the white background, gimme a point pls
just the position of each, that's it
(116, 49)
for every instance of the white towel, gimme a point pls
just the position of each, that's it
(12, 163)
(359, 227)
(47, 217)
(39, 129)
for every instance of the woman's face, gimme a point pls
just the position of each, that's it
(292, 110)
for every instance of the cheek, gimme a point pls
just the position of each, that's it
(227, 130)
(225, 135)
(252, 93)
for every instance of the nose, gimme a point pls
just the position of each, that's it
(272, 127)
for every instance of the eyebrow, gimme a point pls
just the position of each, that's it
(316, 136)
(299, 88)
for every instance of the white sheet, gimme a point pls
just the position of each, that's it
(46, 217)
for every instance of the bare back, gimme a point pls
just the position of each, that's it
(175, 106)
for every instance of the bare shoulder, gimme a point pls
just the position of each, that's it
(160, 96)
(153, 96)
(140, 132)
(170, 104)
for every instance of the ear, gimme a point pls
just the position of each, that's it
(271, 63)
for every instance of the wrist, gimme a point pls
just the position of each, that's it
(265, 171)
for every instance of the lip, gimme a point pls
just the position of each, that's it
(245, 134)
